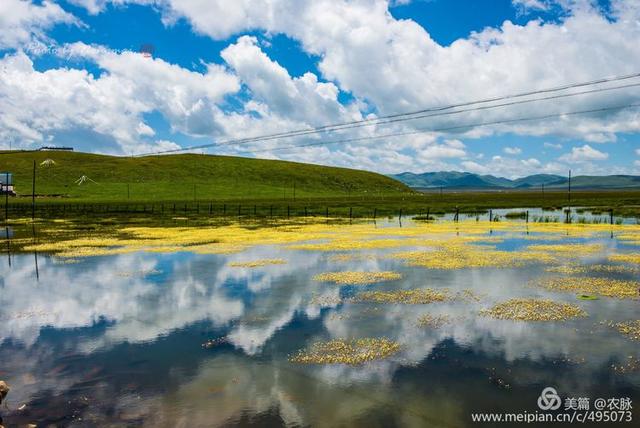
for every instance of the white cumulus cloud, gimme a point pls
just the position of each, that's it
(512, 150)
(24, 22)
(35, 105)
(585, 153)
(556, 146)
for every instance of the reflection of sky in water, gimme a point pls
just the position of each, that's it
(124, 333)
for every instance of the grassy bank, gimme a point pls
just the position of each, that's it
(184, 177)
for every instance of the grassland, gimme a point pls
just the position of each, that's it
(197, 184)
(184, 177)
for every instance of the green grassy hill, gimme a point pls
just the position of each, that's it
(186, 177)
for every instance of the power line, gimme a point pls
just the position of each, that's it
(513, 103)
(374, 121)
(450, 128)
(223, 144)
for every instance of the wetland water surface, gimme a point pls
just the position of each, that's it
(315, 324)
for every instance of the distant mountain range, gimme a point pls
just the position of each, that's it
(467, 180)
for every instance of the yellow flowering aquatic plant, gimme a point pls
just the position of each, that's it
(625, 258)
(454, 255)
(342, 351)
(357, 278)
(568, 250)
(433, 321)
(521, 309)
(607, 287)
(418, 296)
(630, 329)
(572, 269)
(81, 240)
(351, 257)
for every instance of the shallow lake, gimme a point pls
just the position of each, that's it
(162, 329)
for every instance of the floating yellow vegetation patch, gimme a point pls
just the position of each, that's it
(577, 269)
(469, 296)
(208, 249)
(539, 237)
(418, 296)
(630, 238)
(201, 240)
(95, 251)
(625, 258)
(351, 257)
(352, 352)
(581, 230)
(357, 278)
(630, 328)
(533, 310)
(325, 300)
(607, 287)
(446, 237)
(258, 263)
(631, 365)
(433, 321)
(460, 256)
(572, 250)
(350, 245)
(87, 242)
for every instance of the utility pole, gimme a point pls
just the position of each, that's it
(6, 198)
(33, 192)
(569, 193)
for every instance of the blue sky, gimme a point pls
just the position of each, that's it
(71, 73)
